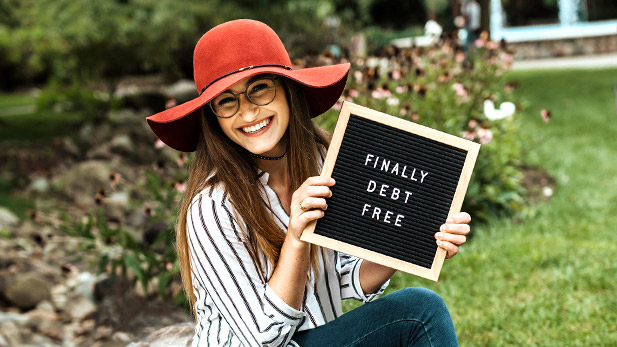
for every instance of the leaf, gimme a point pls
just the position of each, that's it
(132, 263)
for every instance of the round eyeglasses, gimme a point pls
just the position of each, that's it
(259, 92)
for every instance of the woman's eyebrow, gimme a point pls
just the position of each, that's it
(249, 81)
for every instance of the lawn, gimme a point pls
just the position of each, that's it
(550, 278)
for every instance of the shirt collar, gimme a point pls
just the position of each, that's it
(263, 176)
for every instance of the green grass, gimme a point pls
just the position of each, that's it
(551, 278)
(20, 121)
(15, 100)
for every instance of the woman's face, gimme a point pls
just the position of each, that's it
(258, 129)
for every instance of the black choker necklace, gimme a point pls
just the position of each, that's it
(269, 158)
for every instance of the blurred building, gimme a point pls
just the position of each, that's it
(545, 29)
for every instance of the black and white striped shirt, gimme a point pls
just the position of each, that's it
(235, 306)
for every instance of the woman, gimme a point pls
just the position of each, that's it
(253, 188)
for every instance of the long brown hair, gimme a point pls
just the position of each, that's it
(218, 160)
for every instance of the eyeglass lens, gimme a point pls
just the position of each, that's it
(260, 92)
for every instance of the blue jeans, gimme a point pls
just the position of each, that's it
(408, 317)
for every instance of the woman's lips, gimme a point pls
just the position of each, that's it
(257, 128)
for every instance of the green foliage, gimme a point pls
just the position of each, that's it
(81, 40)
(94, 105)
(146, 256)
(438, 88)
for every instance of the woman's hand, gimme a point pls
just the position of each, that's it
(452, 235)
(308, 203)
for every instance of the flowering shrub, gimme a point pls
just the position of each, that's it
(144, 255)
(440, 87)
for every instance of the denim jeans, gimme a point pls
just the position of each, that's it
(408, 317)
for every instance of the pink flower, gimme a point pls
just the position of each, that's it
(400, 89)
(415, 117)
(459, 57)
(396, 74)
(485, 135)
(469, 135)
(546, 115)
(158, 144)
(353, 93)
(358, 76)
(171, 102)
(472, 123)
(114, 179)
(479, 43)
(182, 159)
(180, 186)
(460, 90)
(168, 266)
(491, 44)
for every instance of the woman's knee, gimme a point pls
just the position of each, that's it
(419, 299)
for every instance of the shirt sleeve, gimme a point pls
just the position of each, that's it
(223, 267)
(350, 279)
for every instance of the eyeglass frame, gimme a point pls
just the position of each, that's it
(237, 96)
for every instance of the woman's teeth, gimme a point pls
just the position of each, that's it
(255, 128)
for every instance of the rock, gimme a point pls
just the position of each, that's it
(7, 218)
(121, 144)
(82, 285)
(121, 336)
(79, 308)
(103, 333)
(27, 290)
(174, 335)
(80, 182)
(182, 91)
(10, 333)
(39, 185)
(59, 296)
(91, 135)
(126, 116)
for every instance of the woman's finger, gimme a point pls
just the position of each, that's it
(320, 191)
(318, 181)
(452, 238)
(459, 218)
(450, 248)
(310, 203)
(461, 229)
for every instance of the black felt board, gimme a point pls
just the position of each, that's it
(426, 209)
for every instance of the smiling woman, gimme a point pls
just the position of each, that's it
(253, 188)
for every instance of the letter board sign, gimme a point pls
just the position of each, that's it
(396, 184)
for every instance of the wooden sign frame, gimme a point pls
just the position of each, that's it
(470, 147)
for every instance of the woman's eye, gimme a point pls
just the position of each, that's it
(226, 102)
(259, 87)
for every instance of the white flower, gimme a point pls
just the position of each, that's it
(505, 110)
(392, 101)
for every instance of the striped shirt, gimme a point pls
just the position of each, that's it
(234, 304)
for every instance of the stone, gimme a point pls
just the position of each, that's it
(27, 290)
(182, 91)
(121, 144)
(7, 218)
(174, 335)
(80, 182)
(79, 308)
(121, 336)
(39, 185)
(59, 296)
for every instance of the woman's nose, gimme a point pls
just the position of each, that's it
(246, 109)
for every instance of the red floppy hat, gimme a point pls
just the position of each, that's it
(227, 54)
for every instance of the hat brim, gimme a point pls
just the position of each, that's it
(179, 126)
